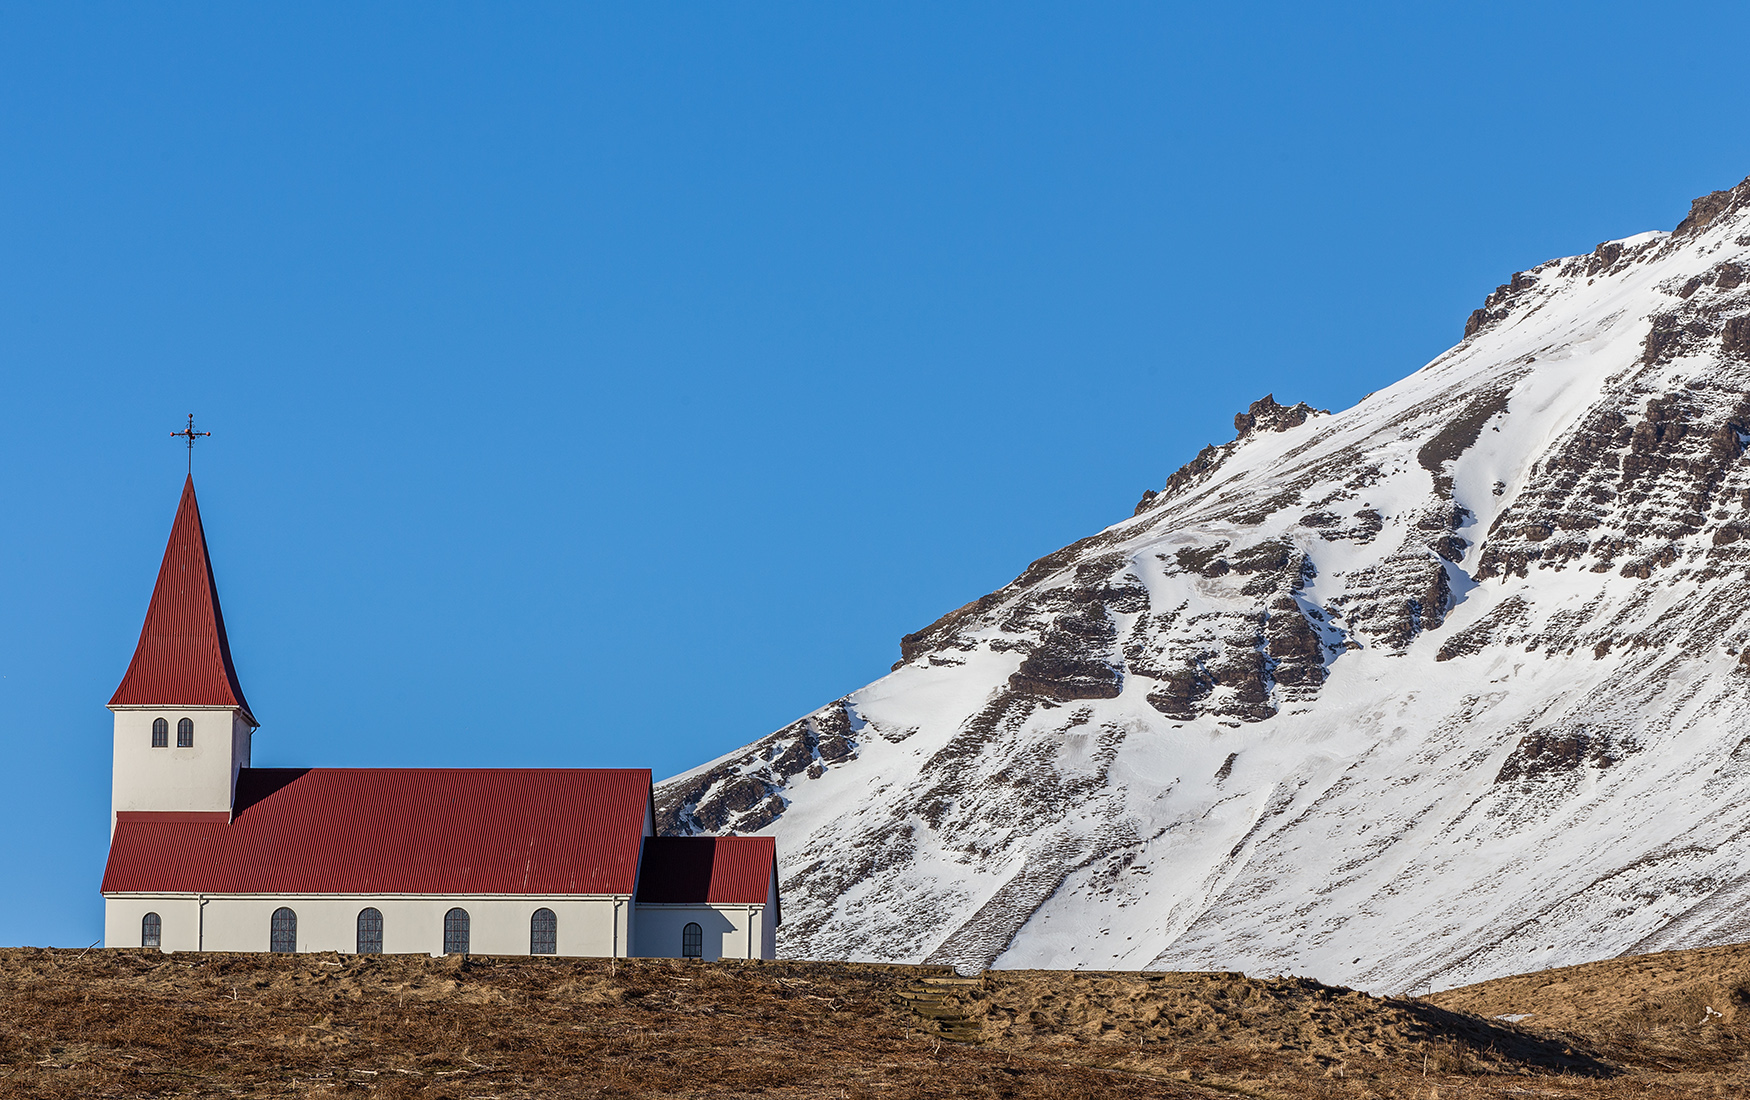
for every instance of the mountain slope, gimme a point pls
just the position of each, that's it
(1444, 686)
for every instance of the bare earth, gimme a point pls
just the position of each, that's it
(136, 1023)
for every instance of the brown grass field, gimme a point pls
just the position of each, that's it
(130, 1023)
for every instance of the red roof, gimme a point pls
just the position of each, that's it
(183, 658)
(395, 831)
(732, 870)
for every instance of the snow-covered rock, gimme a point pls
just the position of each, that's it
(1448, 685)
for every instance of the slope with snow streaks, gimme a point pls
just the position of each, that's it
(1440, 687)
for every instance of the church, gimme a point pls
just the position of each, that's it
(210, 854)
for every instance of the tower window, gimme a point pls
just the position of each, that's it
(543, 933)
(151, 930)
(185, 734)
(160, 733)
(456, 932)
(692, 942)
(283, 931)
(370, 941)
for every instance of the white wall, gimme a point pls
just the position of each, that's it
(198, 779)
(179, 917)
(769, 922)
(730, 931)
(498, 925)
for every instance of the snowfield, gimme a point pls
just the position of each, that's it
(1446, 686)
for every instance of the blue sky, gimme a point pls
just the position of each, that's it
(611, 385)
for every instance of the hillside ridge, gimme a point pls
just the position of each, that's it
(1436, 688)
(138, 1023)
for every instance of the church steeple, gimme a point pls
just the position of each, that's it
(182, 727)
(183, 658)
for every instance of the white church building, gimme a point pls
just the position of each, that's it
(209, 854)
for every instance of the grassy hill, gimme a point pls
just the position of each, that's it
(136, 1023)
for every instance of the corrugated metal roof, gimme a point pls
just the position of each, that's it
(183, 658)
(732, 870)
(395, 831)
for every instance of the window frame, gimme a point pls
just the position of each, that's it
(152, 931)
(458, 931)
(160, 733)
(283, 930)
(185, 733)
(693, 941)
(368, 939)
(543, 940)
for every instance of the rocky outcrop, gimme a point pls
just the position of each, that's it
(1075, 659)
(1712, 208)
(1494, 629)
(747, 793)
(1506, 297)
(1735, 336)
(1630, 492)
(1265, 415)
(1558, 752)
(1458, 436)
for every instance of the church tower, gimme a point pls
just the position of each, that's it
(182, 726)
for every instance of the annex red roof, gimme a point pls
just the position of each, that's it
(183, 658)
(732, 870)
(395, 831)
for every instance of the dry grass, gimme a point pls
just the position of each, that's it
(133, 1023)
(1675, 1016)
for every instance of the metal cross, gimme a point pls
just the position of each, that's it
(191, 435)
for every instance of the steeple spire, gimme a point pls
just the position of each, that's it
(191, 435)
(183, 658)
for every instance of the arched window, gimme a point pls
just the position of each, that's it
(160, 733)
(543, 933)
(692, 942)
(151, 931)
(456, 932)
(283, 931)
(370, 932)
(185, 733)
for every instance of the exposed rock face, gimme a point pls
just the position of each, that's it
(1074, 659)
(745, 794)
(1413, 691)
(1265, 415)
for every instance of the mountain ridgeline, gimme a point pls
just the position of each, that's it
(1449, 685)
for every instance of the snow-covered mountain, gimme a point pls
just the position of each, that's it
(1449, 685)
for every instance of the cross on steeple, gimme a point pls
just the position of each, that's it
(191, 434)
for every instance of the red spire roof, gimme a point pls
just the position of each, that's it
(183, 658)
